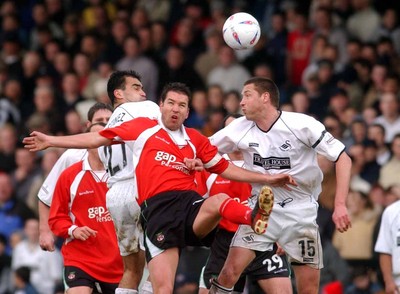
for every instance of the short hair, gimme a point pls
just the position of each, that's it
(24, 273)
(96, 107)
(176, 87)
(263, 85)
(117, 81)
(229, 115)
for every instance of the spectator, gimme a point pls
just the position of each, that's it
(208, 60)
(177, 70)
(45, 267)
(70, 92)
(364, 22)
(8, 143)
(299, 43)
(390, 117)
(363, 218)
(22, 281)
(389, 175)
(229, 74)
(198, 110)
(87, 76)
(133, 58)
(232, 102)
(389, 27)
(13, 212)
(376, 133)
(25, 173)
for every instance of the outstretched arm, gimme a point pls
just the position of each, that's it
(340, 215)
(39, 141)
(242, 175)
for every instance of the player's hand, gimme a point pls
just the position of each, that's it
(83, 233)
(36, 142)
(391, 288)
(46, 241)
(194, 164)
(281, 180)
(341, 218)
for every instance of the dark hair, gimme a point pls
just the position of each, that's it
(117, 81)
(96, 107)
(229, 115)
(176, 87)
(24, 273)
(263, 85)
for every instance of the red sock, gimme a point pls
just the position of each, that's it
(235, 212)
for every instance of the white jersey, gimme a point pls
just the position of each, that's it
(67, 159)
(388, 241)
(117, 159)
(289, 146)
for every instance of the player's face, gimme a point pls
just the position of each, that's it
(101, 116)
(133, 90)
(174, 110)
(251, 102)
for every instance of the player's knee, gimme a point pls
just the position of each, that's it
(229, 274)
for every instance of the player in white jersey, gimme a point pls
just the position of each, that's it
(388, 247)
(274, 142)
(98, 113)
(129, 99)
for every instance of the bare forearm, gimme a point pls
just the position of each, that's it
(44, 212)
(80, 141)
(343, 170)
(240, 175)
(385, 262)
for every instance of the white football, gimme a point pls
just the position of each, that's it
(241, 31)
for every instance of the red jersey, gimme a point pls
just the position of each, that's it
(159, 161)
(80, 200)
(299, 46)
(211, 184)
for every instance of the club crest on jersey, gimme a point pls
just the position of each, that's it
(248, 239)
(271, 162)
(286, 146)
(71, 276)
(160, 237)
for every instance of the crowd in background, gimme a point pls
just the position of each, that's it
(338, 61)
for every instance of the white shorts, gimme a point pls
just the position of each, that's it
(125, 212)
(293, 227)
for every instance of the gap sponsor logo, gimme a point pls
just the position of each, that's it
(100, 213)
(169, 160)
(271, 162)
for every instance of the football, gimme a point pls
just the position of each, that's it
(241, 31)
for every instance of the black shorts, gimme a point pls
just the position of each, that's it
(167, 221)
(266, 264)
(75, 277)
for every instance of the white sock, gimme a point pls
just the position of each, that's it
(125, 291)
(147, 288)
(218, 289)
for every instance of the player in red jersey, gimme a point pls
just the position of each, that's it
(78, 214)
(165, 153)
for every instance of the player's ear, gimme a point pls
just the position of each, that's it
(118, 93)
